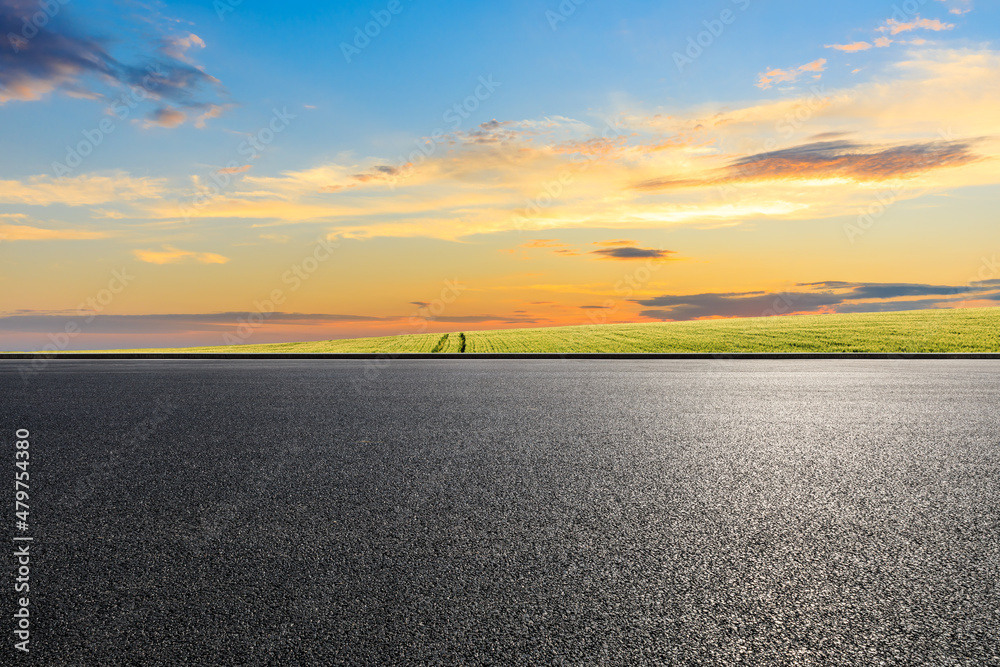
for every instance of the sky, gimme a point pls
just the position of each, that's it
(237, 172)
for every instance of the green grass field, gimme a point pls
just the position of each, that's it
(964, 330)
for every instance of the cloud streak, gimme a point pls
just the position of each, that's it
(60, 56)
(631, 253)
(28, 233)
(773, 76)
(831, 160)
(84, 190)
(894, 26)
(828, 296)
(172, 255)
(174, 323)
(850, 48)
(659, 168)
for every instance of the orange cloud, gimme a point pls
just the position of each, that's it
(543, 243)
(26, 233)
(540, 181)
(165, 117)
(895, 27)
(31, 90)
(773, 76)
(613, 243)
(171, 255)
(177, 47)
(814, 66)
(213, 111)
(85, 190)
(235, 170)
(553, 245)
(832, 160)
(850, 48)
(958, 7)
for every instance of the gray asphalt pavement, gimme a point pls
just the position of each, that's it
(509, 512)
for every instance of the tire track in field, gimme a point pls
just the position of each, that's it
(441, 345)
(447, 344)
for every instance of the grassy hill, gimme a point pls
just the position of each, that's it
(965, 330)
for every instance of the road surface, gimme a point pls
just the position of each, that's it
(513, 512)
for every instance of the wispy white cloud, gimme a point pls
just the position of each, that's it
(83, 190)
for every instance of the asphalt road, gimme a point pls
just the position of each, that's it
(510, 512)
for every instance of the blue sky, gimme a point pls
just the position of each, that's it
(602, 56)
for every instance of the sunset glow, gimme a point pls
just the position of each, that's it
(464, 166)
